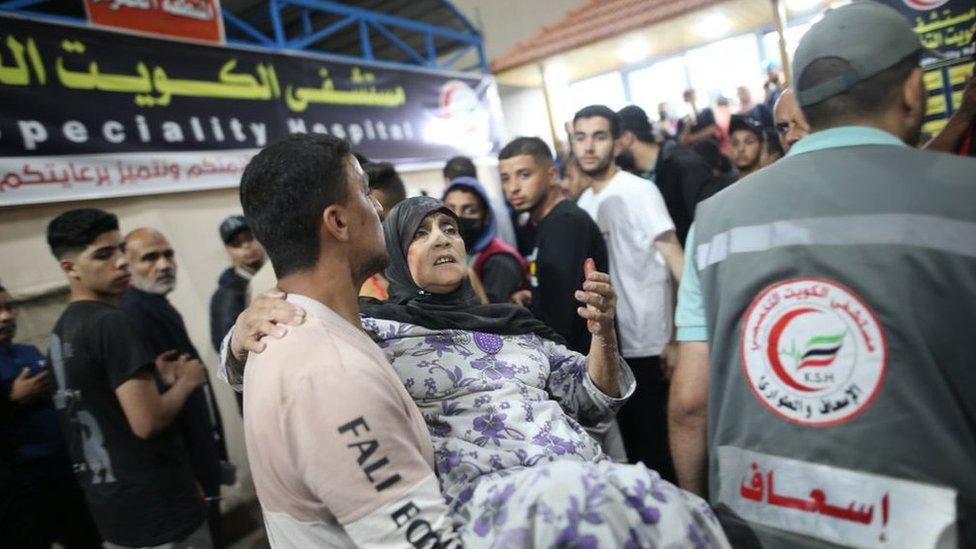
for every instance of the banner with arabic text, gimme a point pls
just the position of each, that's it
(92, 114)
(946, 27)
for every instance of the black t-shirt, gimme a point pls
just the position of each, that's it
(140, 492)
(684, 180)
(565, 239)
(501, 276)
(162, 328)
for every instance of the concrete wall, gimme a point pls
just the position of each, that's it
(524, 110)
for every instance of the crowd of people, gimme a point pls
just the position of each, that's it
(718, 332)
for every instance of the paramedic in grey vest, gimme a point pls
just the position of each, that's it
(836, 291)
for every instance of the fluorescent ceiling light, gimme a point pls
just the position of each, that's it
(633, 50)
(713, 25)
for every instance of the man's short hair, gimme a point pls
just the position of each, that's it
(284, 190)
(530, 146)
(459, 166)
(602, 111)
(384, 177)
(867, 98)
(72, 231)
(634, 119)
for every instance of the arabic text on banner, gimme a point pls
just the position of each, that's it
(72, 94)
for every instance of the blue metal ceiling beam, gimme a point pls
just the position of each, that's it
(306, 22)
(247, 29)
(456, 57)
(364, 42)
(279, 39)
(274, 8)
(403, 46)
(19, 7)
(371, 16)
(20, 4)
(313, 37)
(431, 49)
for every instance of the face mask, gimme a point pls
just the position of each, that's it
(470, 231)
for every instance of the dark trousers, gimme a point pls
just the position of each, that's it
(644, 418)
(43, 504)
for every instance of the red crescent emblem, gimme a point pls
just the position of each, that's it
(772, 352)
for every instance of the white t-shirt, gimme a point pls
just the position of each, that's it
(631, 214)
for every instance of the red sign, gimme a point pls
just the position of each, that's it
(190, 19)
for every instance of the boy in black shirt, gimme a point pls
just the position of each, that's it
(131, 465)
(565, 237)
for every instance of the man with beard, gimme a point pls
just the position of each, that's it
(791, 125)
(499, 266)
(682, 176)
(152, 264)
(747, 142)
(43, 504)
(835, 292)
(644, 255)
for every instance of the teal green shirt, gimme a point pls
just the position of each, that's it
(689, 315)
(844, 136)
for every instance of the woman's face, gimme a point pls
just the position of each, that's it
(436, 257)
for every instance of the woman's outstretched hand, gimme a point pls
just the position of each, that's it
(599, 299)
(268, 315)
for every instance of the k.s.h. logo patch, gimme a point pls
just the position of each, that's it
(813, 352)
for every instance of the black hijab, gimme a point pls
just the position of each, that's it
(458, 310)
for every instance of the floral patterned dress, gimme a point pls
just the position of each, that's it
(505, 414)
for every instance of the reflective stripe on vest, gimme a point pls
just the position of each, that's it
(923, 231)
(840, 296)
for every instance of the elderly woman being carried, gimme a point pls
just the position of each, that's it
(505, 402)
